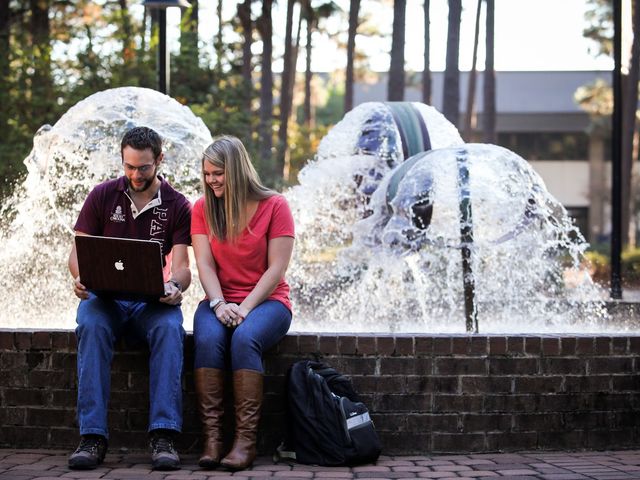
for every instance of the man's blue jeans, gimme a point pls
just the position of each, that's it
(265, 326)
(100, 323)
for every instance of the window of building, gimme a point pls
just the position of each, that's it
(547, 146)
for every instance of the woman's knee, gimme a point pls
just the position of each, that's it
(207, 330)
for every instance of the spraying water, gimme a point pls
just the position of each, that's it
(390, 258)
(79, 151)
(378, 223)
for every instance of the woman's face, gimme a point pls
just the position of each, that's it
(214, 178)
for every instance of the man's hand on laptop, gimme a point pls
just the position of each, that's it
(79, 289)
(172, 294)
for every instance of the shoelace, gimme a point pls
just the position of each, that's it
(162, 444)
(89, 445)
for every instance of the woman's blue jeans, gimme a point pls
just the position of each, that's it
(215, 344)
(100, 323)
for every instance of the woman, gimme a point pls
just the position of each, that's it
(242, 235)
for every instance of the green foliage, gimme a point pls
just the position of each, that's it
(599, 260)
(303, 144)
(630, 263)
(599, 17)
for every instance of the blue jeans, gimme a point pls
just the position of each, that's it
(100, 323)
(265, 326)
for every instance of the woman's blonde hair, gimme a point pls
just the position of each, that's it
(226, 216)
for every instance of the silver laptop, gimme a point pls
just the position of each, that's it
(120, 267)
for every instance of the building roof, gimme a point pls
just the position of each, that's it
(516, 92)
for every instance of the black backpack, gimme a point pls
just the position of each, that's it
(326, 422)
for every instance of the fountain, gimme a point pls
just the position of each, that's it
(405, 235)
(388, 240)
(67, 160)
(381, 217)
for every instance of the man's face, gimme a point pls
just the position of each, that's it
(140, 167)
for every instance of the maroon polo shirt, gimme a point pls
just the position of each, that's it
(108, 211)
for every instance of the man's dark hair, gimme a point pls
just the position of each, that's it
(142, 138)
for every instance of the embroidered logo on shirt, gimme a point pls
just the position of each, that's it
(117, 216)
(158, 225)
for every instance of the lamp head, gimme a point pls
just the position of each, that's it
(156, 4)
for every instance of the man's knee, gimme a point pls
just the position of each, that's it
(169, 328)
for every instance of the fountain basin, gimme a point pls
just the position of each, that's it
(426, 393)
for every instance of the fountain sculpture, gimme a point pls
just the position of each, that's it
(401, 226)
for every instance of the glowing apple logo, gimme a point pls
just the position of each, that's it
(119, 265)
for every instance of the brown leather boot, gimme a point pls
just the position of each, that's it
(247, 398)
(210, 392)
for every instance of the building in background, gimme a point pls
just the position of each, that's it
(538, 118)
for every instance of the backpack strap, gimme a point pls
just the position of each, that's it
(282, 454)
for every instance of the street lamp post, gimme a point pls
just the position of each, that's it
(616, 156)
(162, 62)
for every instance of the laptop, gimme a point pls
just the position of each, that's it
(121, 267)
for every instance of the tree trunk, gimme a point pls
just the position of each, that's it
(265, 125)
(128, 44)
(354, 11)
(41, 79)
(489, 88)
(471, 92)
(143, 39)
(5, 46)
(244, 14)
(395, 89)
(308, 75)
(285, 89)
(629, 107)
(451, 94)
(426, 71)
(294, 59)
(219, 44)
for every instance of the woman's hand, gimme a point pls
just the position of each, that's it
(230, 314)
(79, 289)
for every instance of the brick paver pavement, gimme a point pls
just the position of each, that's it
(52, 465)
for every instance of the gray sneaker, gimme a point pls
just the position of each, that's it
(89, 454)
(163, 453)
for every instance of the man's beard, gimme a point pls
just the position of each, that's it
(147, 183)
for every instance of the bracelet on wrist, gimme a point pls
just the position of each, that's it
(218, 306)
(216, 302)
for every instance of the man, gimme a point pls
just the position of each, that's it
(139, 205)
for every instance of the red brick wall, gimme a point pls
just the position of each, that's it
(435, 393)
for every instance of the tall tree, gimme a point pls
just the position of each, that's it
(5, 58)
(41, 76)
(629, 130)
(265, 125)
(219, 43)
(189, 32)
(311, 21)
(128, 43)
(285, 88)
(354, 10)
(426, 71)
(313, 16)
(471, 91)
(489, 80)
(451, 95)
(246, 25)
(395, 89)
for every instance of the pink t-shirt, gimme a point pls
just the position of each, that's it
(241, 264)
